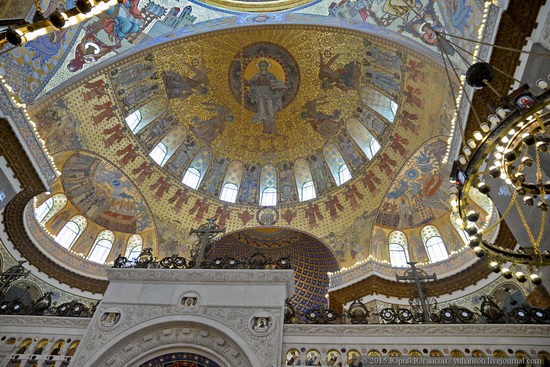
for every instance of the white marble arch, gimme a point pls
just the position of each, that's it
(161, 335)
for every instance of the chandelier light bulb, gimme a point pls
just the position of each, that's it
(542, 84)
(478, 135)
(498, 155)
(473, 216)
(462, 159)
(475, 240)
(500, 148)
(520, 177)
(506, 273)
(542, 146)
(495, 266)
(471, 229)
(528, 138)
(483, 187)
(510, 155)
(527, 161)
(521, 191)
(505, 139)
(520, 277)
(471, 143)
(502, 112)
(479, 251)
(528, 200)
(494, 171)
(535, 279)
(467, 151)
(493, 119)
(485, 127)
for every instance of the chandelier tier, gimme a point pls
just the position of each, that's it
(509, 147)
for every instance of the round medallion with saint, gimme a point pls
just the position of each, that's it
(264, 78)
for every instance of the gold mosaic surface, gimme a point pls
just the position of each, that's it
(347, 231)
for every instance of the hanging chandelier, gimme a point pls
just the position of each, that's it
(509, 148)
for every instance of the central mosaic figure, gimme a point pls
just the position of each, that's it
(264, 78)
(266, 92)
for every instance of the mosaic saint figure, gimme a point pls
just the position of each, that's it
(209, 129)
(267, 93)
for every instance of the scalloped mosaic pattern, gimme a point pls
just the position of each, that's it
(310, 259)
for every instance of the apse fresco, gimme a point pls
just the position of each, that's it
(292, 97)
(104, 194)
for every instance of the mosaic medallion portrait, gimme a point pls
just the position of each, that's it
(264, 78)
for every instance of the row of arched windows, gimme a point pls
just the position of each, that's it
(42, 347)
(75, 226)
(433, 244)
(305, 184)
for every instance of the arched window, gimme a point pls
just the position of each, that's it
(335, 162)
(434, 244)
(233, 176)
(43, 209)
(343, 174)
(302, 174)
(308, 191)
(72, 348)
(159, 154)
(50, 207)
(102, 247)
(133, 120)
(198, 167)
(229, 192)
(269, 197)
(362, 137)
(268, 185)
(192, 177)
(68, 234)
(133, 247)
(379, 103)
(399, 255)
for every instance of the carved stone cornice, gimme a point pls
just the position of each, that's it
(377, 285)
(419, 329)
(45, 321)
(203, 276)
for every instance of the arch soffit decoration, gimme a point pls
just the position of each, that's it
(175, 331)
